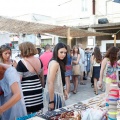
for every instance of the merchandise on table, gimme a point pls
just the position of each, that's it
(93, 108)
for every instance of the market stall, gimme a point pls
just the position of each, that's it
(93, 108)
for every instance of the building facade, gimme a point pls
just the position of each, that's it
(92, 15)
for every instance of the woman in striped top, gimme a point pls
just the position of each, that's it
(31, 85)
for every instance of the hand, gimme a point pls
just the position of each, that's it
(14, 63)
(51, 106)
(100, 84)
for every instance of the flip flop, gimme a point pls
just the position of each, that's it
(82, 83)
(96, 93)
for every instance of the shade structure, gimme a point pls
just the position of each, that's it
(19, 26)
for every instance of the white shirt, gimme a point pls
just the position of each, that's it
(82, 55)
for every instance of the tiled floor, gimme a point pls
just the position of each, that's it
(84, 92)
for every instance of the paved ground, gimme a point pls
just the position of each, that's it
(84, 92)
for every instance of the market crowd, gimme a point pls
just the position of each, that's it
(41, 79)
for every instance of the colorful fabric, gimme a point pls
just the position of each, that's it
(110, 75)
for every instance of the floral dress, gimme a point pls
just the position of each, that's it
(111, 72)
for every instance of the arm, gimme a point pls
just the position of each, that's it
(103, 65)
(78, 59)
(13, 100)
(92, 59)
(14, 63)
(42, 77)
(83, 56)
(53, 70)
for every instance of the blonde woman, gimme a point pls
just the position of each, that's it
(31, 84)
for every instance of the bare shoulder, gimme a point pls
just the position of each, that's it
(54, 64)
(105, 59)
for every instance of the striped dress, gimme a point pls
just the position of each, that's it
(31, 87)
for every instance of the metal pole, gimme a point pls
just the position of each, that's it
(114, 40)
(68, 37)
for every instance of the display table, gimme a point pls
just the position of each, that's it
(75, 111)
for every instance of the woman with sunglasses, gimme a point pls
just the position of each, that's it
(5, 55)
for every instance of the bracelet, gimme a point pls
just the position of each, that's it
(51, 102)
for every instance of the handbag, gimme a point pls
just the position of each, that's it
(39, 76)
(76, 69)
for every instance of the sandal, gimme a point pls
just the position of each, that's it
(82, 83)
(74, 92)
(96, 93)
(92, 85)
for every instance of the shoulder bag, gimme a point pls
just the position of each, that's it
(39, 76)
(76, 69)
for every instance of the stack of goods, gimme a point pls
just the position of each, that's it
(72, 112)
(112, 102)
(97, 102)
(67, 116)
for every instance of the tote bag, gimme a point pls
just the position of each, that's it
(76, 69)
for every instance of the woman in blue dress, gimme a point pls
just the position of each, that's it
(11, 101)
(68, 72)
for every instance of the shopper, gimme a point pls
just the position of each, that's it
(81, 62)
(45, 58)
(68, 72)
(109, 68)
(55, 91)
(28, 68)
(12, 104)
(96, 62)
(5, 55)
(75, 61)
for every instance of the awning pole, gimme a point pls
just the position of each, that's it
(68, 37)
(114, 40)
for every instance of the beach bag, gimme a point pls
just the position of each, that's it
(76, 69)
(39, 76)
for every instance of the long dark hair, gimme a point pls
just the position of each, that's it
(112, 54)
(63, 62)
(97, 54)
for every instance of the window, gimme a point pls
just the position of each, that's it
(90, 42)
